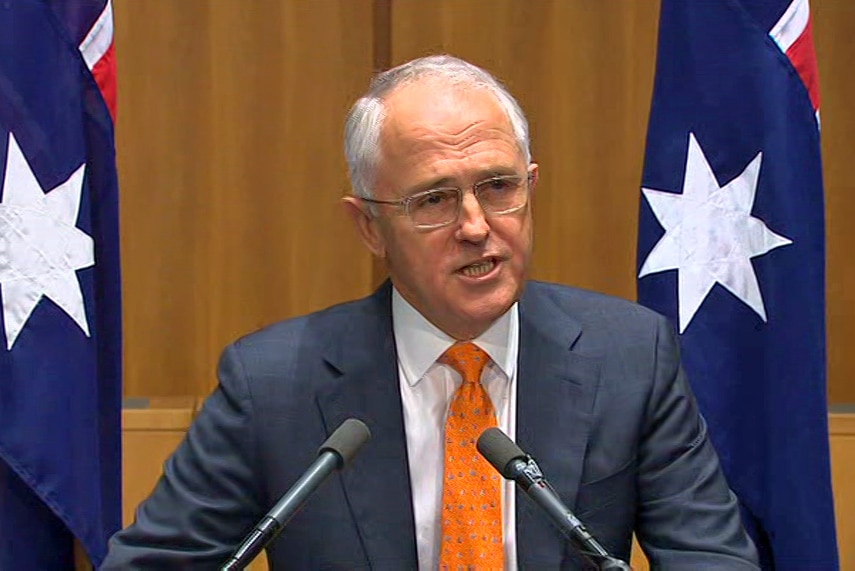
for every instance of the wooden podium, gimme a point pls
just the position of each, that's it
(151, 430)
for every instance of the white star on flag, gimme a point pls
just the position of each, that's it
(710, 235)
(40, 246)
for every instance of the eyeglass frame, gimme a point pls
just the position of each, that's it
(475, 188)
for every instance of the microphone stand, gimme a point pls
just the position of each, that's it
(539, 489)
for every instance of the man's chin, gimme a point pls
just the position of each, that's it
(476, 320)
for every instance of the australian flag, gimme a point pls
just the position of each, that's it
(731, 247)
(60, 312)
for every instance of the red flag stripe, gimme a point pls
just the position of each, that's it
(105, 75)
(793, 34)
(98, 52)
(803, 56)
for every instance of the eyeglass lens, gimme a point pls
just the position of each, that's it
(498, 195)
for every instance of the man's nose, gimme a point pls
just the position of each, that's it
(473, 220)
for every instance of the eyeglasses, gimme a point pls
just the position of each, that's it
(439, 207)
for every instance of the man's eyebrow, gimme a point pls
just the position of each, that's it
(444, 182)
(451, 182)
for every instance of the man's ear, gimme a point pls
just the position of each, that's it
(534, 174)
(366, 225)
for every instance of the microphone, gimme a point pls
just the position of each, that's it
(333, 454)
(514, 464)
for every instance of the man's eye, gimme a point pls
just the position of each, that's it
(432, 199)
(500, 184)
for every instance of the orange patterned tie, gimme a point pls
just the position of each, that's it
(472, 490)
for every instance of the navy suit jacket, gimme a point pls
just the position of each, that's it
(603, 406)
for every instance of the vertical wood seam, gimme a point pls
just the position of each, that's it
(381, 60)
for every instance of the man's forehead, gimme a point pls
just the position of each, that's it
(435, 101)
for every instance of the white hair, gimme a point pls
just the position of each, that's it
(365, 120)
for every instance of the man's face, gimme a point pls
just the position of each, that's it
(463, 276)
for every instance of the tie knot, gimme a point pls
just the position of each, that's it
(467, 359)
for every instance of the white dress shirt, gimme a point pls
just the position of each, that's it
(426, 391)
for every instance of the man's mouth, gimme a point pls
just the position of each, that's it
(479, 269)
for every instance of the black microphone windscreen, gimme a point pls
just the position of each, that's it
(499, 450)
(346, 440)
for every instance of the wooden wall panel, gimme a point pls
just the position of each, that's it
(230, 157)
(230, 165)
(583, 72)
(833, 23)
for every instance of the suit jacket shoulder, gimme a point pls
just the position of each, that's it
(592, 308)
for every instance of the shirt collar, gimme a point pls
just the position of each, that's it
(420, 343)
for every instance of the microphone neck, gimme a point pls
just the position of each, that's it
(524, 471)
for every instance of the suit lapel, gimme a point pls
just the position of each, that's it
(377, 483)
(555, 397)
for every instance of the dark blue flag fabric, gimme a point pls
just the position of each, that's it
(731, 247)
(60, 312)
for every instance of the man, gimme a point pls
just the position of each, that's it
(591, 386)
